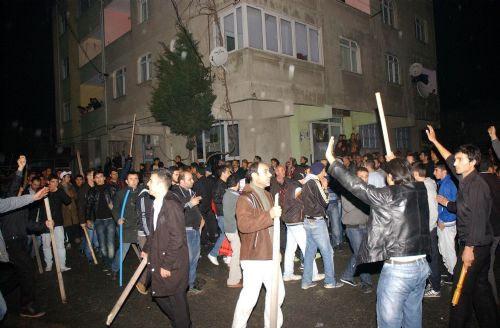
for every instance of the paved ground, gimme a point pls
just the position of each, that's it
(91, 295)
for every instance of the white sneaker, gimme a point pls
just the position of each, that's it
(48, 268)
(292, 277)
(213, 259)
(431, 293)
(227, 259)
(319, 277)
(65, 269)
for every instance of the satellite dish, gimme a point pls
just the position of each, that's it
(416, 69)
(424, 90)
(218, 56)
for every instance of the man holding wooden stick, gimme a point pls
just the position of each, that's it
(255, 212)
(475, 235)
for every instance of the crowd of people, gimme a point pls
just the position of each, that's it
(424, 215)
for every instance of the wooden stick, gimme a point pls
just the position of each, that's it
(383, 123)
(136, 250)
(132, 138)
(80, 163)
(37, 254)
(54, 250)
(458, 290)
(125, 292)
(89, 243)
(276, 268)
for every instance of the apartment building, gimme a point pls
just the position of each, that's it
(298, 72)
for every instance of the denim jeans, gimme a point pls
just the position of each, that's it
(193, 242)
(317, 238)
(355, 236)
(334, 215)
(47, 247)
(296, 236)
(399, 294)
(222, 235)
(105, 229)
(93, 240)
(115, 267)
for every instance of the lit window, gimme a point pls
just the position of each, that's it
(119, 82)
(66, 112)
(392, 66)
(271, 33)
(403, 138)
(314, 45)
(254, 27)
(143, 11)
(286, 37)
(387, 8)
(421, 30)
(301, 41)
(370, 136)
(349, 52)
(223, 137)
(229, 32)
(145, 68)
(65, 68)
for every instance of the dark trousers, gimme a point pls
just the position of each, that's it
(176, 308)
(210, 230)
(476, 292)
(433, 259)
(24, 269)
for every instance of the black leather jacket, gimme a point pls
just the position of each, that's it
(93, 200)
(399, 217)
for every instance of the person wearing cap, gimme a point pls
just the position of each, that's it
(57, 197)
(315, 202)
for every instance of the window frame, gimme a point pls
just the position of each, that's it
(421, 26)
(149, 68)
(388, 5)
(65, 68)
(359, 67)
(240, 44)
(205, 136)
(403, 138)
(123, 69)
(394, 60)
(66, 112)
(372, 141)
(141, 18)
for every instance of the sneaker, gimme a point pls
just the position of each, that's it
(213, 259)
(319, 277)
(349, 282)
(194, 291)
(65, 269)
(105, 270)
(431, 293)
(335, 285)
(318, 255)
(48, 268)
(366, 289)
(141, 288)
(292, 277)
(30, 312)
(309, 286)
(227, 259)
(301, 267)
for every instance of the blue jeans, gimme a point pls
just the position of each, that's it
(355, 236)
(115, 267)
(193, 242)
(93, 240)
(317, 238)
(3, 307)
(105, 229)
(399, 294)
(334, 215)
(222, 235)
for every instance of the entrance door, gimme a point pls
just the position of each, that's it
(320, 133)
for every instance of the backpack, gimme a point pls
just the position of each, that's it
(292, 207)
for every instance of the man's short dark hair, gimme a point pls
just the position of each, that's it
(442, 166)
(361, 169)
(400, 171)
(96, 172)
(35, 178)
(164, 176)
(305, 159)
(200, 170)
(79, 176)
(113, 169)
(182, 174)
(258, 158)
(426, 153)
(254, 168)
(275, 160)
(420, 169)
(232, 181)
(472, 152)
(133, 173)
(89, 171)
(370, 163)
(52, 177)
(221, 170)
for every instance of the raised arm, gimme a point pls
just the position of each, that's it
(494, 140)
(431, 135)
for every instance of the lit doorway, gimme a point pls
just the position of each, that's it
(320, 132)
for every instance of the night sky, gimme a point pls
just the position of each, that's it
(468, 73)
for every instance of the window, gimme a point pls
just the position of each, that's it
(239, 25)
(349, 52)
(392, 65)
(286, 37)
(403, 138)
(387, 8)
(271, 33)
(370, 136)
(66, 112)
(143, 11)
(420, 30)
(254, 27)
(119, 82)
(65, 68)
(314, 45)
(301, 41)
(229, 35)
(145, 68)
(63, 24)
(222, 137)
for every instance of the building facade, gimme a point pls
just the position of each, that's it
(298, 72)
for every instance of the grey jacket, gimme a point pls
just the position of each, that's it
(229, 209)
(353, 214)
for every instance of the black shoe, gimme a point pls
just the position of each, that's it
(30, 312)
